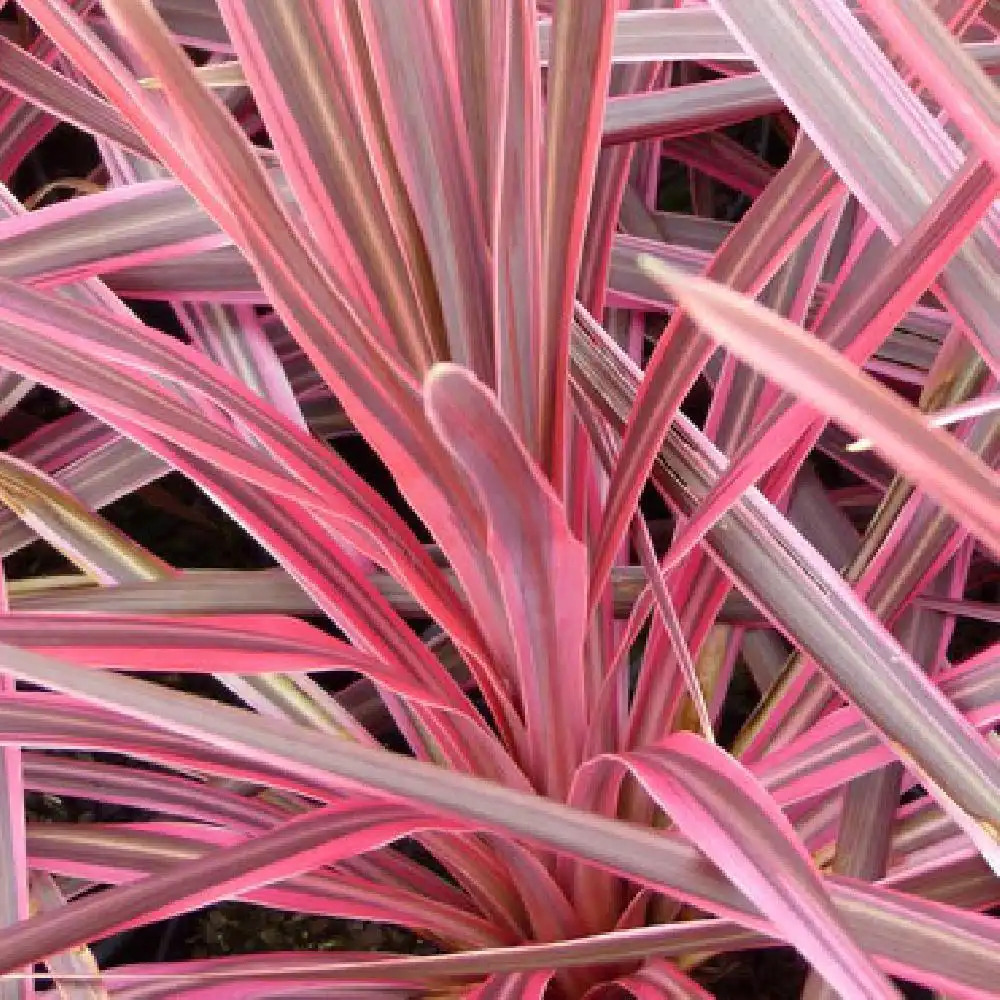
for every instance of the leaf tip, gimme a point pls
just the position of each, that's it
(656, 269)
(440, 373)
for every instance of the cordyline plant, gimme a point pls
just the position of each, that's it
(500, 708)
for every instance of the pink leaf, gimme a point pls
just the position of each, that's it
(747, 260)
(661, 980)
(536, 559)
(517, 221)
(581, 50)
(807, 367)
(418, 92)
(757, 848)
(321, 837)
(79, 967)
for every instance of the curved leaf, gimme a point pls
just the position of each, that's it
(807, 367)
(536, 559)
(756, 847)
(321, 837)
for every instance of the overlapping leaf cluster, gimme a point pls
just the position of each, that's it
(439, 226)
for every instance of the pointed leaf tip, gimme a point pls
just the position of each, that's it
(656, 269)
